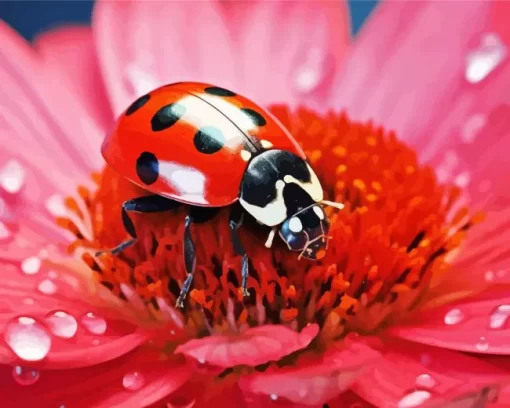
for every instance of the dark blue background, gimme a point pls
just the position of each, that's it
(33, 17)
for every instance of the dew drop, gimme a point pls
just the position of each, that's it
(472, 127)
(133, 381)
(312, 71)
(56, 206)
(47, 287)
(139, 80)
(489, 276)
(414, 399)
(28, 339)
(24, 375)
(463, 179)
(425, 381)
(482, 345)
(31, 266)
(482, 61)
(62, 324)
(454, 316)
(94, 324)
(273, 397)
(499, 317)
(12, 177)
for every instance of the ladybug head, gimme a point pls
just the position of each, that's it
(306, 231)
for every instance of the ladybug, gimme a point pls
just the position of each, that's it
(200, 145)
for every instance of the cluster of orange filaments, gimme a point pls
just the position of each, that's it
(391, 239)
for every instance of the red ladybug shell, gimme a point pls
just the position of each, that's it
(192, 141)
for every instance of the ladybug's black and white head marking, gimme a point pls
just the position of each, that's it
(281, 189)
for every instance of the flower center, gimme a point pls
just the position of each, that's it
(393, 237)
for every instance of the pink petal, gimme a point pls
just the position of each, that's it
(252, 347)
(288, 52)
(49, 142)
(503, 398)
(315, 381)
(77, 340)
(500, 12)
(42, 119)
(70, 54)
(476, 325)
(407, 61)
(411, 375)
(243, 47)
(135, 380)
(434, 73)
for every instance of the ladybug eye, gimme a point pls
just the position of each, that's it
(295, 224)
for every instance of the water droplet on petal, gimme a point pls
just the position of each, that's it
(47, 287)
(499, 317)
(462, 180)
(273, 397)
(454, 316)
(28, 339)
(489, 276)
(12, 177)
(62, 324)
(133, 381)
(414, 399)
(31, 265)
(312, 71)
(94, 324)
(138, 80)
(25, 376)
(472, 128)
(482, 345)
(482, 61)
(56, 206)
(425, 381)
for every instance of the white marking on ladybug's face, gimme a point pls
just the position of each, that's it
(318, 211)
(313, 188)
(295, 224)
(266, 144)
(272, 214)
(245, 155)
(188, 182)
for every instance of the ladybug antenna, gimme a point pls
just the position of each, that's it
(269, 241)
(340, 206)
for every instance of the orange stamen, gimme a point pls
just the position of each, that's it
(390, 240)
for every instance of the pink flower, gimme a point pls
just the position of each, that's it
(408, 308)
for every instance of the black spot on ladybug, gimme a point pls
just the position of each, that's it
(255, 117)
(209, 140)
(167, 116)
(142, 100)
(214, 90)
(147, 168)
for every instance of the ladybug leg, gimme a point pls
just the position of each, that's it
(146, 204)
(236, 220)
(197, 215)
